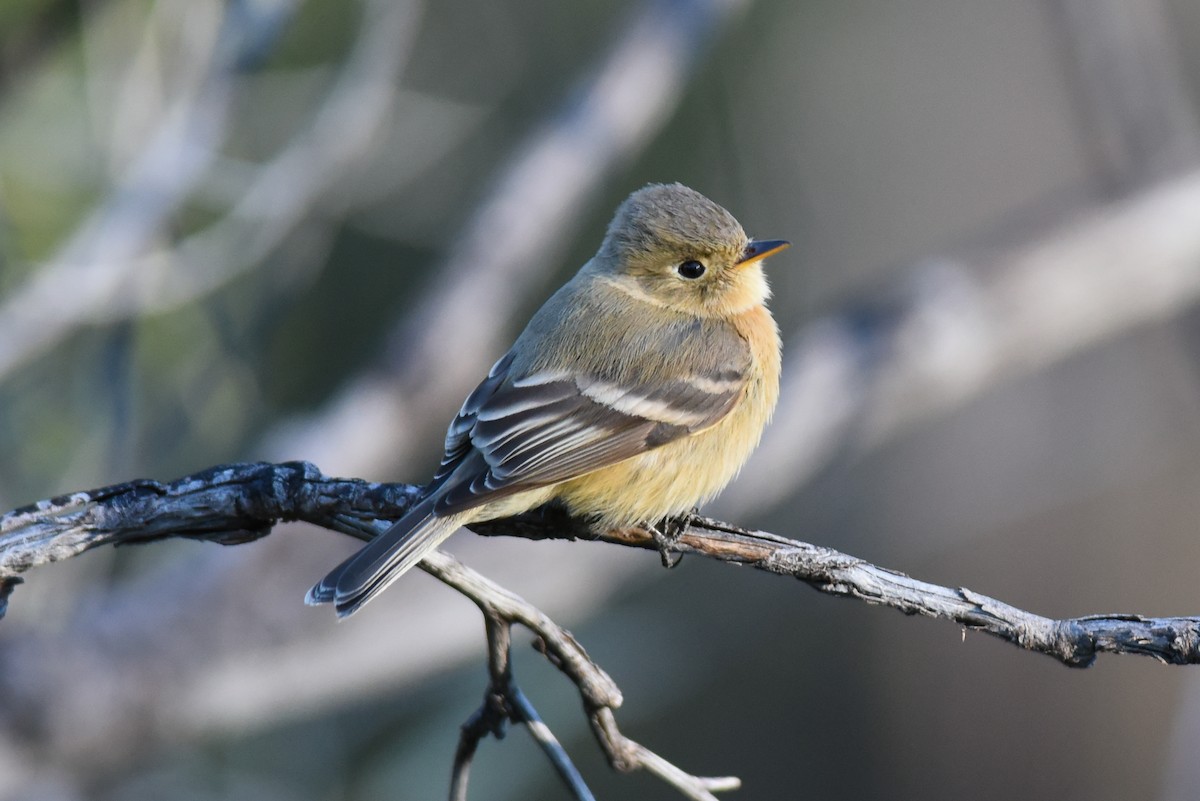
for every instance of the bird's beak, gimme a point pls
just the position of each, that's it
(759, 250)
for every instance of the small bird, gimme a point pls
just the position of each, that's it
(634, 394)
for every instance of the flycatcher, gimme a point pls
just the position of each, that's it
(635, 393)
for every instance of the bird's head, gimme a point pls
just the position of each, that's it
(682, 251)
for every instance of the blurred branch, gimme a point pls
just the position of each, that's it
(110, 267)
(955, 329)
(1135, 108)
(94, 267)
(237, 503)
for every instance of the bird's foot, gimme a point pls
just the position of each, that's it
(666, 534)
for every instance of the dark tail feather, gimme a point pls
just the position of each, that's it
(382, 560)
(322, 592)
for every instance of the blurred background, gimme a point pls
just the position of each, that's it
(274, 229)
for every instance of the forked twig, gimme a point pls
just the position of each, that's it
(504, 700)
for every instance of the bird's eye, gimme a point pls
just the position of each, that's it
(691, 269)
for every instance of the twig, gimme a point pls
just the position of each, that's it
(505, 701)
(493, 715)
(524, 712)
(624, 754)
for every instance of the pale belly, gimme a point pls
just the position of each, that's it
(672, 479)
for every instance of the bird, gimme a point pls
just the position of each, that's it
(634, 394)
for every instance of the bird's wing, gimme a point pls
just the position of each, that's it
(517, 433)
(514, 435)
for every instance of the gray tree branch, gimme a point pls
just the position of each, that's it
(237, 503)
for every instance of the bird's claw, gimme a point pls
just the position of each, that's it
(667, 533)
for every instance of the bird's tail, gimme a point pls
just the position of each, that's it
(383, 560)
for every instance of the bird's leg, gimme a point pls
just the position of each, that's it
(666, 534)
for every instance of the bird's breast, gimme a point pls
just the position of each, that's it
(682, 474)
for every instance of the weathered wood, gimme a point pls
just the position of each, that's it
(236, 503)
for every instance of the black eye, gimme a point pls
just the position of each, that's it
(691, 269)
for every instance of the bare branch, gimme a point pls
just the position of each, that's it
(505, 701)
(493, 715)
(1073, 641)
(237, 503)
(524, 712)
(626, 755)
